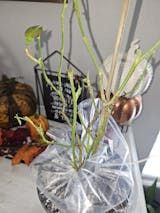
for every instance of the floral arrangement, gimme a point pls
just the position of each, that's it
(107, 103)
(82, 146)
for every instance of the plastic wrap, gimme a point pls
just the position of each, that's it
(104, 182)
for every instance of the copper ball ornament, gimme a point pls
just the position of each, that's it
(125, 110)
(138, 103)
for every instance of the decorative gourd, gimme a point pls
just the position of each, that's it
(38, 120)
(15, 98)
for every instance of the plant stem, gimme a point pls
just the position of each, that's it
(117, 46)
(30, 56)
(88, 47)
(42, 67)
(75, 108)
(39, 47)
(59, 91)
(62, 55)
(138, 82)
(137, 61)
(39, 129)
(91, 92)
(105, 116)
(87, 129)
(103, 120)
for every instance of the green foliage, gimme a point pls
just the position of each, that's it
(32, 33)
(150, 196)
(151, 192)
(150, 209)
(157, 210)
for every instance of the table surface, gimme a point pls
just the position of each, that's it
(18, 189)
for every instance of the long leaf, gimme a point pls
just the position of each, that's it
(158, 210)
(151, 192)
(150, 209)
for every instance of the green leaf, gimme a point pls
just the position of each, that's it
(157, 210)
(150, 209)
(31, 33)
(150, 192)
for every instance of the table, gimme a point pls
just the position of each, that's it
(18, 189)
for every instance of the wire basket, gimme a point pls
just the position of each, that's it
(50, 100)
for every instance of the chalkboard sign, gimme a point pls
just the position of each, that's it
(51, 101)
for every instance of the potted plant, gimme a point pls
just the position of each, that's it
(86, 166)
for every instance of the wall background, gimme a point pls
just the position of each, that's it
(15, 17)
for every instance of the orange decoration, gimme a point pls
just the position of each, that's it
(15, 98)
(26, 154)
(38, 120)
(19, 155)
(31, 153)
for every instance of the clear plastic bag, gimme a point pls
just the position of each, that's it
(104, 183)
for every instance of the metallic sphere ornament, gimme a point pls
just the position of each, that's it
(125, 110)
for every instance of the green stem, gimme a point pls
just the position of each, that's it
(88, 47)
(75, 108)
(80, 147)
(103, 122)
(91, 92)
(39, 129)
(49, 82)
(137, 61)
(30, 56)
(39, 46)
(104, 116)
(42, 67)
(59, 91)
(138, 82)
(87, 129)
(62, 55)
